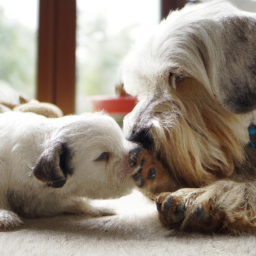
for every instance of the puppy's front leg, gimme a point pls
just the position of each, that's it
(83, 206)
(9, 220)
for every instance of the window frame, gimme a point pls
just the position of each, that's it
(168, 5)
(56, 68)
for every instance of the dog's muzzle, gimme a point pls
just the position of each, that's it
(142, 137)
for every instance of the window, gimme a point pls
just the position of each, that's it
(56, 53)
(105, 33)
(246, 5)
(18, 51)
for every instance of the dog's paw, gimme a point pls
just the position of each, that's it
(9, 220)
(148, 174)
(171, 210)
(191, 210)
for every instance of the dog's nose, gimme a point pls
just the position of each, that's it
(134, 155)
(142, 136)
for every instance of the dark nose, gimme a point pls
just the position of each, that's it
(142, 136)
(134, 155)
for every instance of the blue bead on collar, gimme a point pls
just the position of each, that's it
(252, 135)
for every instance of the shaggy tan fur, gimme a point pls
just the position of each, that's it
(195, 80)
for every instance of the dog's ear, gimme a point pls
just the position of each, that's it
(221, 55)
(53, 166)
(120, 91)
(237, 75)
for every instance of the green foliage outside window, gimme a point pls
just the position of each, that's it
(98, 58)
(17, 56)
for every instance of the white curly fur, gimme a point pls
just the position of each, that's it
(25, 139)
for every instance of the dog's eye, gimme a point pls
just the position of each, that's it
(103, 157)
(172, 81)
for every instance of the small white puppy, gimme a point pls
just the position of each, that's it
(48, 166)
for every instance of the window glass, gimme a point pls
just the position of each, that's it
(105, 32)
(18, 26)
(246, 5)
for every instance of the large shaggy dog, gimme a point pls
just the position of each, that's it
(47, 165)
(195, 79)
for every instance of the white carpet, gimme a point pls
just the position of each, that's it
(135, 230)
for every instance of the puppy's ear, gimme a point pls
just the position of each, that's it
(52, 166)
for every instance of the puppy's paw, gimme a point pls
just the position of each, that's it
(9, 220)
(100, 211)
(83, 206)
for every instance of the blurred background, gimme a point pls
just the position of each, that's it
(105, 31)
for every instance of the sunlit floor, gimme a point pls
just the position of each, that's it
(135, 230)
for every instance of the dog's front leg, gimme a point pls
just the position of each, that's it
(224, 206)
(9, 220)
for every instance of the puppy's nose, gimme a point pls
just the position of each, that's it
(142, 136)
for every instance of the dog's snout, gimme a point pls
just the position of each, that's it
(142, 136)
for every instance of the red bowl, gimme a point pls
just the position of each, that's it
(113, 105)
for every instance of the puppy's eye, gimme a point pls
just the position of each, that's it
(103, 157)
